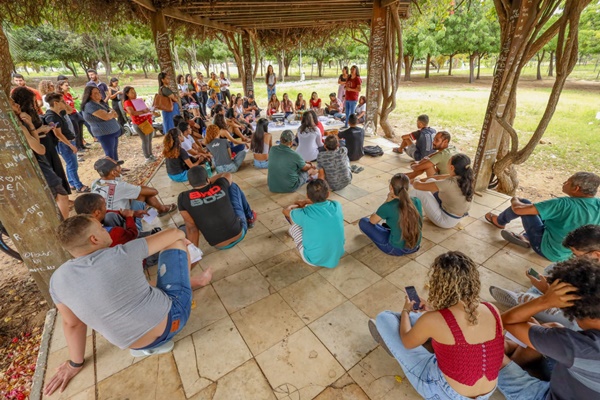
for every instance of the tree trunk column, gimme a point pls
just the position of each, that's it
(163, 48)
(375, 64)
(27, 208)
(248, 82)
(6, 62)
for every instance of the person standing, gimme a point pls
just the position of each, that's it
(63, 88)
(342, 84)
(271, 81)
(224, 86)
(115, 94)
(102, 120)
(215, 85)
(94, 80)
(139, 117)
(19, 81)
(353, 86)
(165, 90)
(202, 93)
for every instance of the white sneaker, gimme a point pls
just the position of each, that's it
(163, 348)
(505, 297)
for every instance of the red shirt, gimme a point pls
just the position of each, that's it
(137, 119)
(120, 235)
(353, 83)
(315, 103)
(68, 97)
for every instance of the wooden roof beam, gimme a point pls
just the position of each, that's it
(291, 19)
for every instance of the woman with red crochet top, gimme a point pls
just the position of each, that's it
(466, 335)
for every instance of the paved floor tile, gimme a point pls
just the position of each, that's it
(262, 247)
(343, 389)
(383, 295)
(345, 333)
(312, 297)
(299, 367)
(412, 274)
(225, 262)
(285, 269)
(435, 233)
(273, 219)
(110, 359)
(266, 322)
(351, 192)
(355, 239)
(378, 261)
(486, 232)
(491, 278)
(353, 212)
(528, 254)
(208, 310)
(242, 289)
(185, 357)
(350, 277)
(510, 266)
(426, 259)
(81, 381)
(477, 249)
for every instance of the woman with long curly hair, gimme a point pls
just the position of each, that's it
(218, 143)
(46, 86)
(403, 216)
(466, 335)
(447, 198)
(177, 160)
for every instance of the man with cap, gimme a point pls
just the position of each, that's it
(122, 195)
(217, 208)
(287, 169)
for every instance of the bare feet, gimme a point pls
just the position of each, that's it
(201, 280)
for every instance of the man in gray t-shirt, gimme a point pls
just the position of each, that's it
(106, 289)
(334, 165)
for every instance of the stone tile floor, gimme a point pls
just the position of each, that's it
(271, 327)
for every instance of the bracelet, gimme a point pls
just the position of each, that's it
(408, 311)
(76, 365)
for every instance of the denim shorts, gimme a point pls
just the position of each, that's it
(516, 384)
(173, 278)
(181, 177)
(261, 164)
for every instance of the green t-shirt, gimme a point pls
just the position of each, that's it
(391, 213)
(284, 169)
(440, 159)
(561, 216)
(322, 232)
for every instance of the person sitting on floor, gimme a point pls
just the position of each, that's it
(287, 169)
(122, 195)
(436, 163)
(106, 289)
(547, 223)
(574, 355)
(315, 102)
(466, 335)
(309, 138)
(177, 159)
(300, 103)
(447, 199)
(251, 108)
(217, 208)
(583, 241)
(261, 143)
(361, 110)
(317, 226)
(334, 166)
(335, 108)
(191, 145)
(418, 144)
(355, 139)
(403, 216)
(218, 142)
(273, 106)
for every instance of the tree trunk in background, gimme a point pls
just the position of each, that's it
(551, 65)
(540, 58)
(280, 66)
(6, 63)
(478, 66)
(407, 67)
(320, 67)
(427, 65)
(450, 65)
(472, 66)
(162, 43)
(248, 76)
(106, 60)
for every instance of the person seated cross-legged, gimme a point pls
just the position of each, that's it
(548, 222)
(287, 169)
(317, 226)
(435, 163)
(403, 215)
(583, 241)
(215, 207)
(334, 166)
(418, 144)
(573, 357)
(106, 289)
(466, 334)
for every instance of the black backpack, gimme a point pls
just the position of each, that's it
(373, 151)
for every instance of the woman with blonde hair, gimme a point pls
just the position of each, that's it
(46, 86)
(466, 335)
(403, 216)
(177, 160)
(274, 105)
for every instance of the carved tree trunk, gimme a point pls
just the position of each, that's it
(498, 147)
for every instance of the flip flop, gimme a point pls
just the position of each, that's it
(172, 208)
(353, 168)
(397, 150)
(515, 239)
(359, 170)
(489, 217)
(84, 189)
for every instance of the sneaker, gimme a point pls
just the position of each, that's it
(377, 337)
(504, 297)
(149, 160)
(166, 347)
(252, 220)
(79, 158)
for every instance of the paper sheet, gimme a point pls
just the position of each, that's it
(152, 214)
(195, 253)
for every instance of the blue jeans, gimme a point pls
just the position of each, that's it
(419, 365)
(110, 144)
(182, 177)
(174, 279)
(533, 224)
(517, 384)
(71, 162)
(261, 164)
(138, 205)
(168, 118)
(237, 148)
(234, 165)
(240, 204)
(270, 93)
(381, 237)
(349, 108)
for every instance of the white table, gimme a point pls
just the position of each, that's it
(275, 130)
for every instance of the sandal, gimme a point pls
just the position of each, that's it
(84, 189)
(515, 239)
(397, 150)
(171, 208)
(489, 217)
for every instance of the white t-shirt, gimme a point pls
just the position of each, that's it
(187, 144)
(123, 193)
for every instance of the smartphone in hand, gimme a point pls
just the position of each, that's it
(533, 273)
(413, 296)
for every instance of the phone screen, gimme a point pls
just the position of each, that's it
(413, 296)
(533, 273)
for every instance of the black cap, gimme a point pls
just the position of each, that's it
(104, 165)
(197, 176)
(61, 78)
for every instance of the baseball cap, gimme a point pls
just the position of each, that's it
(287, 136)
(104, 165)
(197, 176)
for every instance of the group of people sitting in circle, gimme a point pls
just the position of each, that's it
(450, 345)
